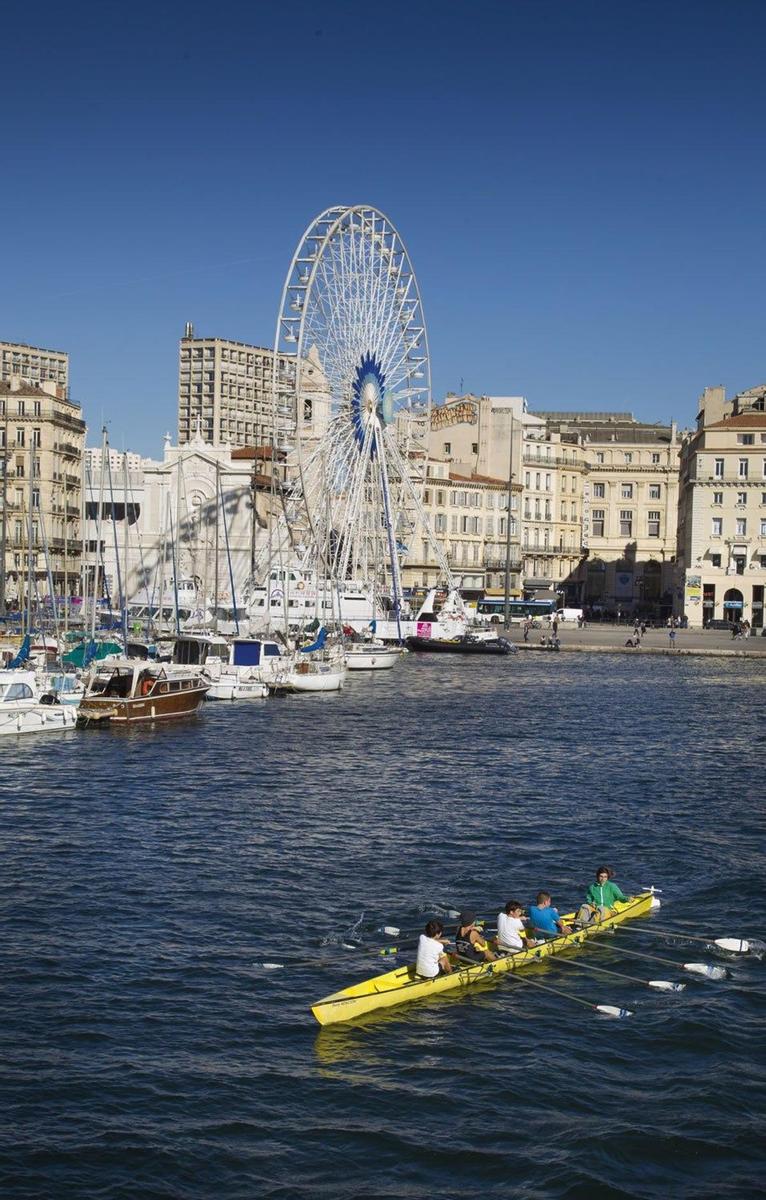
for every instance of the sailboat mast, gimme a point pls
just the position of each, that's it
(215, 561)
(99, 531)
(126, 546)
(30, 551)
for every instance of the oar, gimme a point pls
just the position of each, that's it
(609, 1010)
(733, 945)
(662, 985)
(395, 931)
(706, 969)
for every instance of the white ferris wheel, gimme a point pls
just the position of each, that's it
(352, 390)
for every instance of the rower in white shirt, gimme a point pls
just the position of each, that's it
(432, 960)
(510, 927)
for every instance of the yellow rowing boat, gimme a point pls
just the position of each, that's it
(402, 985)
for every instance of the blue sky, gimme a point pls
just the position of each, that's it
(581, 187)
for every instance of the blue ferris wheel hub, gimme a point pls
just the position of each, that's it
(368, 397)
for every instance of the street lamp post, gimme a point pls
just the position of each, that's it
(507, 606)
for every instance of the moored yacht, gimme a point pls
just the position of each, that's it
(23, 709)
(129, 691)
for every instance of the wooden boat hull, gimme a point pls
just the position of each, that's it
(109, 710)
(402, 984)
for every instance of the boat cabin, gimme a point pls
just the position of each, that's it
(16, 685)
(251, 652)
(194, 651)
(130, 680)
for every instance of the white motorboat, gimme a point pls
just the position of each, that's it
(67, 687)
(24, 710)
(251, 663)
(371, 656)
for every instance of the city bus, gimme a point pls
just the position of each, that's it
(493, 609)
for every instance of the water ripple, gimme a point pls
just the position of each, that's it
(147, 872)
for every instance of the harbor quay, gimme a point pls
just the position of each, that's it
(612, 638)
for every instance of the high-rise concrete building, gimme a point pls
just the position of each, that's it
(41, 441)
(225, 392)
(722, 510)
(33, 364)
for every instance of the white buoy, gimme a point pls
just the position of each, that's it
(706, 969)
(610, 1010)
(390, 930)
(664, 985)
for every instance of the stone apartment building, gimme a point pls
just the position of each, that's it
(474, 443)
(629, 480)
(722, 510)
(552, 505)
(467, 515)
(41, 444)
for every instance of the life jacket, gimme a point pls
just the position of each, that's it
(466, 948)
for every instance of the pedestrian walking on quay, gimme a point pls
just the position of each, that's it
(555, 626)
(526, 631)
(672, 637)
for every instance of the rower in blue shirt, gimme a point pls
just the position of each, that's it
(544, 919)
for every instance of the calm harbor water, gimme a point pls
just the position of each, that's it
(145, 873)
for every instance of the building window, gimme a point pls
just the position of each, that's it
(537, 481)
(743, 468)
(35, 497)
(741, 497)
(746, 439)
(448, 447)
(19, 437)
(598, 522)
(628, 457)
(763, 529)
(626, 522)
(655, 459)
(715, 560)
(653, 523)
(474, 447)
(717, 497)
(599, 491)
(718, 468)
(654, 491)
(741, 527)
(599, 456)
(717, 526)
(763, 468)
(547, 483)
(626, 491)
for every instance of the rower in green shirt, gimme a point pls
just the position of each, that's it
(600, 898)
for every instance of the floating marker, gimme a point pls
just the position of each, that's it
(664, 985)
(610, 1011)
(271, 966)
(390, 930)
(707, 970)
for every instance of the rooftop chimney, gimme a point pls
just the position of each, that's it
(188, 330)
